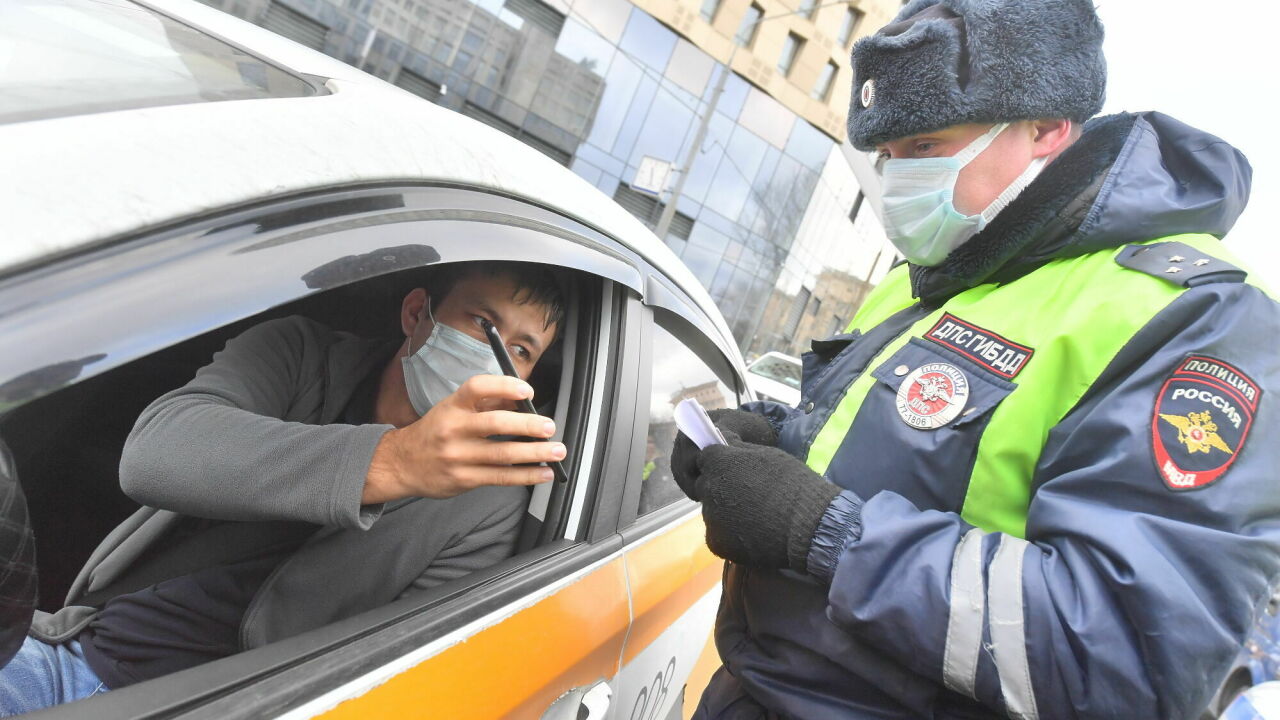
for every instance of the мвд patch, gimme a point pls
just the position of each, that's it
(1201, 419)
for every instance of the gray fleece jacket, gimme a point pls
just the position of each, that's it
(255, 438)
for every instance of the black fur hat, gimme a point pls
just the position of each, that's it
(947, 62)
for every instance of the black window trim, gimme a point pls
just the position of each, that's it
(28, 292)
(50, 308)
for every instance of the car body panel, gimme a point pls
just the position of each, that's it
(150, 167)
(675, 592)
(517, 661)
(667, 575)
(512, 665)
(1260, 702)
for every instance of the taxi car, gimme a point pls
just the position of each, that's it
(173, 176)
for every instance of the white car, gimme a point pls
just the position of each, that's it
(775, 376)
(171, 176)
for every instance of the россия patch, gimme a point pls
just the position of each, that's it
(1201, 419)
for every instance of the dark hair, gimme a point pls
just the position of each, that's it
(535, 283)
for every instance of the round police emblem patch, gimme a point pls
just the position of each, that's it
(868, 93)
(932, 395)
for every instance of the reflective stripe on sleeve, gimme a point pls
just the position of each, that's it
(964, 626)
(1008, 628)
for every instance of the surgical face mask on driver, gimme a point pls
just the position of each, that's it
(920, 217)
(448, 358)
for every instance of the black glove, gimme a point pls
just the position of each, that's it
(748, 426)
(761, 504)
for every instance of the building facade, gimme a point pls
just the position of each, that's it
(768, 212)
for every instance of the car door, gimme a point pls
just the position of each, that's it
(673, 578)
(542, 632)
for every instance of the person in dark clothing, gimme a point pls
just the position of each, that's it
(1034, 478)
(306, 475)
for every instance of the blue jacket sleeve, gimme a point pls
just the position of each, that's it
(1128, 597)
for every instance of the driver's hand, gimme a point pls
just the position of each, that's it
(448, 451)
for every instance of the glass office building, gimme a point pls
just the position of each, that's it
(599, 85)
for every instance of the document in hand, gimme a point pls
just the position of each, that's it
(693, 421)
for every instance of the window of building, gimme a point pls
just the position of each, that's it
(857, 206)
(709, 9)
(418, 85)
(539, 14)
(472, 110)
(493, 120)
(822, 89)
(796, 313)
(678, 373)
(750, 21)
(546, 148)
(852, 18)
(790, 49)
(648, 210)
(295, 26)
(808, 8)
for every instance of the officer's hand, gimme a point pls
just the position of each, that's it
(447, 451)
(761, 505)
(748, 426)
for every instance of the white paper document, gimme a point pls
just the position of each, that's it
(696, 425)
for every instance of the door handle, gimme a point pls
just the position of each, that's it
(582, 703)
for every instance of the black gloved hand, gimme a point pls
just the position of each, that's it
(761, 505)
(748, 426)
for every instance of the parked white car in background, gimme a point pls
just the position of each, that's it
(775, 376)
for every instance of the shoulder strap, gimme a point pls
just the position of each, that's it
(1177, 261)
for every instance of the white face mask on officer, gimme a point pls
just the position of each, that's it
(448, 358)
(920, 216)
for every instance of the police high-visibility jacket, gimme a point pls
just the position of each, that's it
(1060, 456)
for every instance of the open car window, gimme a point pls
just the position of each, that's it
(150, 311)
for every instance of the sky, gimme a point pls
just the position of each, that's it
(1215, 65)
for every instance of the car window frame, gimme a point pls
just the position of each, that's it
(633, 525)
(278, 676)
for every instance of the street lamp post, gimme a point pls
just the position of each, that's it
(668, 212)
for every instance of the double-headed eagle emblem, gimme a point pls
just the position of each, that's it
(933, 388)
(1198, 432)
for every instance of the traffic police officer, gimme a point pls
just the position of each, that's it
(1036, 476)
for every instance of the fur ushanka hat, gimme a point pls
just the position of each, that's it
(947, 62)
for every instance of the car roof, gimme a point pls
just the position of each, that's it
(78, 181)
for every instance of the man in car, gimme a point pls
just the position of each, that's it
(1036, 476)
(352, 472)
